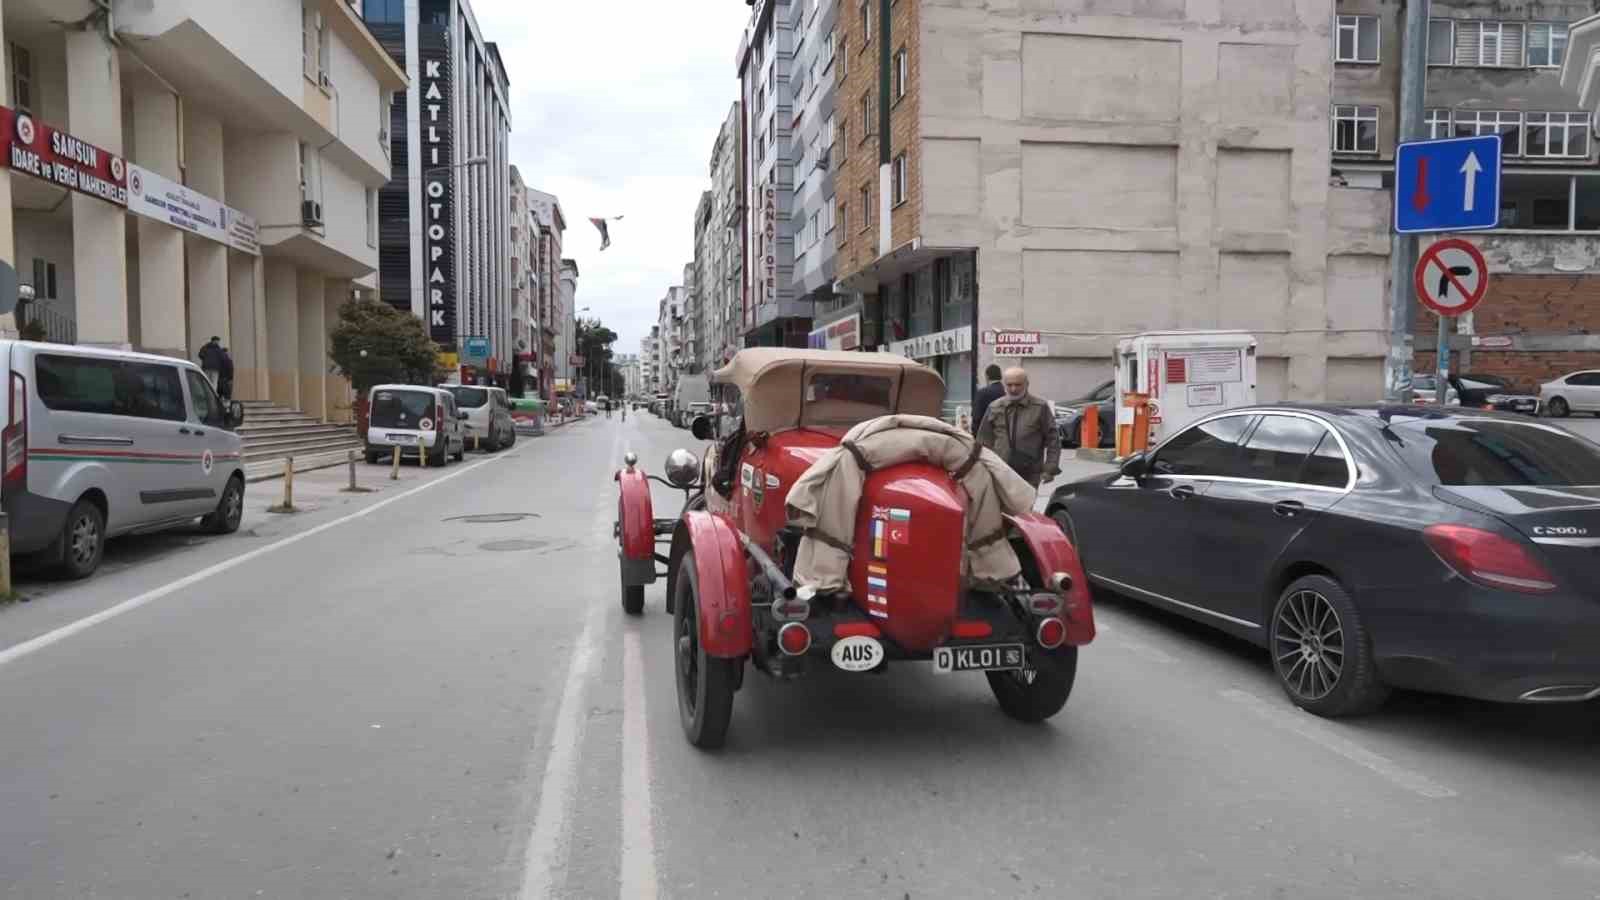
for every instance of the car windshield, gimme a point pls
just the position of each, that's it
(401, 409)
(1492, 452)
(469, 397)
(839, 398)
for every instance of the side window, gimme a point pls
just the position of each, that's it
(1327, 466)
(1210, 448)
(1280, 446)
(79, 384)
(207, 408)
(1585, 379)
(154, 391)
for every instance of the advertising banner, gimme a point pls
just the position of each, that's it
(154, 196)
(438, 184)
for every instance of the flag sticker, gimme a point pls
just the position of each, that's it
(877, 583)
(879, 534)
(880, 614)
(900, 533)
(899, 515)
(875, 569)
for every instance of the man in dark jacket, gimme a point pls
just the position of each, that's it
(986, 395)
(225, 376)
(1021, 429)
(211, 359)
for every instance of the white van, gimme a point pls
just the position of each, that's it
(99, 443)
(488, 412)
(411, 416)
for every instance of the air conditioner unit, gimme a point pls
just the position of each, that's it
(310, 213)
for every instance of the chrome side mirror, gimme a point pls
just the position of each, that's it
(682, 468)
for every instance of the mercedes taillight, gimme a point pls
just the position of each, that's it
(1490, 559)
(14, 438)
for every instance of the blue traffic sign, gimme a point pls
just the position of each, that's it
(477, 350)
(1447, 185)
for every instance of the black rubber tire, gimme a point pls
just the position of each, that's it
(1358, 688)
(492, 445)
(1558, 408)
(74, 563)
(373, 458)
(705, 706)
(461, 454)
(439, 456)
(1064, 522)
(1045, 695)
(230, 509)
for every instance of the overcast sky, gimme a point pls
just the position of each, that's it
(614, 107)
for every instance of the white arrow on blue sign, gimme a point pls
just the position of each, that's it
(1447, 185)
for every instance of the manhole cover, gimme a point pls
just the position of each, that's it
(493, 518)
(513, 546)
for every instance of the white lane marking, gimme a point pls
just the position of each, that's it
(638, 823)
(1584, 860)
(1294, 720)
(34, 645)
(547, 842)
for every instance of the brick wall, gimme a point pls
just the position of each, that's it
(1526, 306)
(905, 127)
(1526, 369)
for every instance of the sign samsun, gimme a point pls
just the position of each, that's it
(61, 159)
(438, 202)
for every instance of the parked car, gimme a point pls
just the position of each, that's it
(1494, 392)
(488, 412)
(902, 603)
(1448, 550)
(1425, 391)
(101, 443)
(412, 417)
(1069, 415)
(1577, 392)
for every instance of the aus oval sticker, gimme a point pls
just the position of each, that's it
(857, 653)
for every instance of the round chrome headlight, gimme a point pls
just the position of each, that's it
(682, 468)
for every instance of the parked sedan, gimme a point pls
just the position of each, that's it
(1069, 415)
(1578, 392)
(1449, 550)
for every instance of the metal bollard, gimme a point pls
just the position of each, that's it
(287, 506)
(5, 557)
(422, 449)
(394, 473)
(351, 455)
(1089, 433)
(477, 442)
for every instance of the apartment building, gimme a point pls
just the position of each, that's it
(555, 313)
(650, 360)
(186, 169)
(446, 219)
(524, 309)
(724, 247)
(1493, 68)
(812, 85)
(703, 269)
(568, 323)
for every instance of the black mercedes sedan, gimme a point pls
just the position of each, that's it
(1429, 548)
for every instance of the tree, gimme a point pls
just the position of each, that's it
(374, 344)
(594, 341)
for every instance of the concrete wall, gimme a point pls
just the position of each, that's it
(49, 237)
(265, 34)
(283, 332)
(360, 112)
(1171, 155)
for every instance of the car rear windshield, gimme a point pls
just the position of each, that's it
(401, 409)
(470, 397)
(1491, 452)
(837, 398)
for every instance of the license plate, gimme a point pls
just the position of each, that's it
(978, 658)
(403, 438)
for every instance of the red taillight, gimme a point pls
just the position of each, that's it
(1490, 559)
(1052, 632)
(794, 639)
(14, 436)
(971, 630)
(438, 416)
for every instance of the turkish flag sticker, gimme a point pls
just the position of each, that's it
(900, 533)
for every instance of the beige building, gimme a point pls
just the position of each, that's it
(1089, 169)
(208, 168)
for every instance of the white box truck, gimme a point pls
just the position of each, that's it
(1186, 374)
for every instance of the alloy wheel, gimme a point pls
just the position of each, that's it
(85, 540)
(233, 505)
(1309, 650)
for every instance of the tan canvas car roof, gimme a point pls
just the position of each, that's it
(772, 382)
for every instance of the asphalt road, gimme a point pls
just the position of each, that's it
(391, 701)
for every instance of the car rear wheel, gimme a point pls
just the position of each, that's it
(705, 683)
(1558, 408)
(1321, 651)
(82, 542)
(1036, 694)
(230, 509)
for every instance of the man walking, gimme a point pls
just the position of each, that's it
(987, 394)
(211, 359)
(225, 376)
(1021, 430)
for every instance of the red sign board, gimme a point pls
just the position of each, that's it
(1177, 370)
(1451, 277)
(36, 149)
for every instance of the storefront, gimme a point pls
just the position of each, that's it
(928, 315)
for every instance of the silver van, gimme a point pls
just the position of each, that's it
(100, 443)
(411, 417)
(488, 412)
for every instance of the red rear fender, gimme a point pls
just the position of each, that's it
(636, 515)
(723, 579)
(1052, 552)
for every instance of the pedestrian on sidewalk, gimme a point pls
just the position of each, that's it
(225, 376)
(211, 359)
(1021, 429)
(987, 394)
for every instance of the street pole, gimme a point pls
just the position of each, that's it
(1403, 247)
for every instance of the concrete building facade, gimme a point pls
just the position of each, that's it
(447, 232)
(554, 309)
(526, 363)
(221, 184)
(1510, 69)
(1088, 170)
(725, 249)
(567, 324)
(812, 84)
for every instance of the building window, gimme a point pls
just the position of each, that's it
(844, 216)
(1355, 129)
(1441, 42)
(314, 45)
(866, 206)
(1497, 44)
(1357, 39)
(828, 222)
(1507, 124)
(866, 23)
(867, 129)
(1558, 135)
(1438, 123)
(902, 74)
(1547, 45)
(828, 49)
(21, 79)
(898, 180)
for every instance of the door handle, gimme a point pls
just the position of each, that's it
(1182, 491)
(199, 433)
(184, 430)
(1287, 508)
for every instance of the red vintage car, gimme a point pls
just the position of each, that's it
(729, 558)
